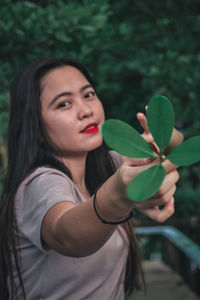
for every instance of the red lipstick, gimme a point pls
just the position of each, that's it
(90, 128)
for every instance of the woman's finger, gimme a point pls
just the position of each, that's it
(170, 180)
(143, 121)
(160, 215)
(157, 201)
(139, 161)
(168, 166)
(146, 134)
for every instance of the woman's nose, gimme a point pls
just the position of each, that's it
(84, 110)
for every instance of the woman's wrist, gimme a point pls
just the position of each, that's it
(105, 221)
(111, 202)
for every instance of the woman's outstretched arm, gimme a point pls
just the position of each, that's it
(77, 231)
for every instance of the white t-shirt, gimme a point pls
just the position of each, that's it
(50, 275)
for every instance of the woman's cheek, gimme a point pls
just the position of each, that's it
(101, 110)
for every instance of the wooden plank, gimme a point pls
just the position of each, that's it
(162, 284)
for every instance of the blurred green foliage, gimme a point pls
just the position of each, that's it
(134, 50)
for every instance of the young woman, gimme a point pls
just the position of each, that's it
(59, 238)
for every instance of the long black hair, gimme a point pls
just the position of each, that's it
(27, 151)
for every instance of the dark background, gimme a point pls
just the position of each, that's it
(134, 50)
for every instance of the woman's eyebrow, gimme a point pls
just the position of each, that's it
(58, 96)
(85, 87)
(68, 94)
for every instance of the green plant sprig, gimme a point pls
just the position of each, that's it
(124, 139)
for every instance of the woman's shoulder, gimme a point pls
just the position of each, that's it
(44, 173)
(45, 184)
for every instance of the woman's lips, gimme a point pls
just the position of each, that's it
(91, 128)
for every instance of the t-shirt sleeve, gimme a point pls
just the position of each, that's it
(36, 196)
(116, 157)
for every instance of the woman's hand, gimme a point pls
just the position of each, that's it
(164, 197)
(149, 207)
(130, 168)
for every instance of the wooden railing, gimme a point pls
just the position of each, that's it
(177, 251)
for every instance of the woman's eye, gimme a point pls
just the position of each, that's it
(90, 94)
(63, 104)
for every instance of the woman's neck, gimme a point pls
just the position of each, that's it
(77, 166)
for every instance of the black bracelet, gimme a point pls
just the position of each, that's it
(131, 214)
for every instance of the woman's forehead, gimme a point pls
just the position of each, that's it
(67, 75)
(65, 78)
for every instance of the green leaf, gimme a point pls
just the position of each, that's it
(187, 153)
(63, 37)
(160, 120)
(147, 183)
(125, 139)
(87, 28)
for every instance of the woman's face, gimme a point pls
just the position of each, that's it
(71, 111)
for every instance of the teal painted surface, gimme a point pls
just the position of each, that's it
(186, 245)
